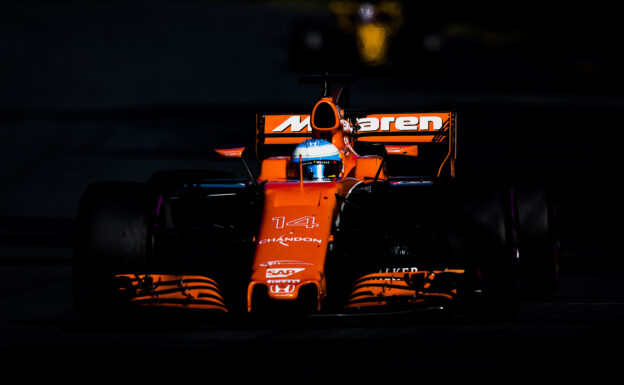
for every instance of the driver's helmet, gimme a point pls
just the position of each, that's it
(317, 159)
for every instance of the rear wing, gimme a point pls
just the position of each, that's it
(434, 133)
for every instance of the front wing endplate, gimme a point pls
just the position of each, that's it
(405, 288)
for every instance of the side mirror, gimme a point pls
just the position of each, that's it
(230, 153)
(402, 150)
(392, 149)
(236, 153)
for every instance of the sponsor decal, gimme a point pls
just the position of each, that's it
(398, 270)
(282, 286)
(346, 127)
(307, 221)
(282, 272)
(402, 123)
(285, 263)
(280, 289)
(286, 240)
(283, 281)
(301, 123)
(295, 123)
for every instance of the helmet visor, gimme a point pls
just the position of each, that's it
(319, 170)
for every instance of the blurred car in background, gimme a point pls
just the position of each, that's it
(366, 36)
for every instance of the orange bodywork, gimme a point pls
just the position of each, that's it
(293, 238)
(298, 219)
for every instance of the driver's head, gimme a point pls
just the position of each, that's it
(317, 159)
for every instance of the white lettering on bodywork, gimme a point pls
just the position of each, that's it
(402, 123)
(282, 273)
(295, 123)
(286, 241)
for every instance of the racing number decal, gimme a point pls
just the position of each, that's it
(307, 221)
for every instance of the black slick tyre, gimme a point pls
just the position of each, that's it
(538, 242)
(114, 236)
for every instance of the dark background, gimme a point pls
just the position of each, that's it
(99, 90)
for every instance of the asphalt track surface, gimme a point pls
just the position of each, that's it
(85, 107)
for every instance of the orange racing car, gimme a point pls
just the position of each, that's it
(352, 212)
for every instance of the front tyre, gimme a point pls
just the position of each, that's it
(538, 242)
(114, 236)
(479, 232)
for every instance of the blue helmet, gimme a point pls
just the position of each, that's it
(320, 161)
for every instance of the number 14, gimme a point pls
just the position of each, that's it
(307, 221)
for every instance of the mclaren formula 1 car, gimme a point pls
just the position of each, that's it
(352, 212)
